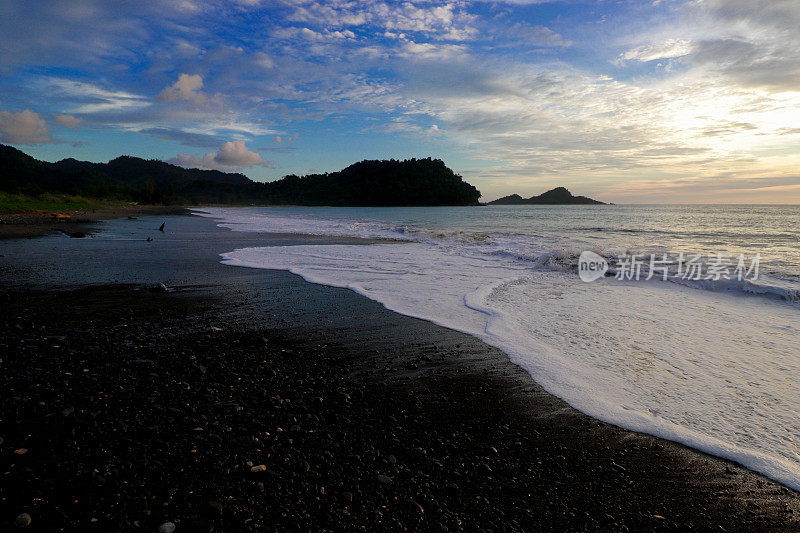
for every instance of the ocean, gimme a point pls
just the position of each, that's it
(705, 352)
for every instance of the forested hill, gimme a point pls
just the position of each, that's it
(410, 182)
(557, 196)
(367, 183)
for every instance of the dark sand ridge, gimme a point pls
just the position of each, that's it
(412, 415)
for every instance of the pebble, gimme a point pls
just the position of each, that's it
(159, 287)
(23, 520)
(416, 507)
(332, 464)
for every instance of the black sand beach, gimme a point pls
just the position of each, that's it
(77, 222)
(247, 399)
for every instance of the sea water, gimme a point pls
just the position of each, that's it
(714, 364)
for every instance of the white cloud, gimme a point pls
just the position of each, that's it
(231, 154)
(430, 51)
(69, 121)
(441, 21)
(235, 153)
(228, 123)
(263, 60)
(779, 14)
(739, 43)
(89, 98)
(519, 2)
(293, 32)
(550, 126)
(329, 13)
(668, 49)
(205, 162)
(526, 34)
(726, 99)
(187, 88)
(25, 127)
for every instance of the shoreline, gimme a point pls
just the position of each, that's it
(79, 221)
(499, 451)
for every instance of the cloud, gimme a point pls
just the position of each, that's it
(70, 34)
(780, 14)
(69, 121)
(187, 88)
(747, 44)
(441, 21)
(519, 2)
(727, 128)
(328, 13)
(668, 49)
(231, 154)
(549, 126)
(307, 34)
(431, 51)
(25, 127)
(235, 153)
(406, 126)
(527, 35)
(659, 94)
(200, 140)
(205, 162)
(280, 140)
(263, 60)
(88, 98)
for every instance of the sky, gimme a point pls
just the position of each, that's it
(657, 101)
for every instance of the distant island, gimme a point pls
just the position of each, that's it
(557, 196)
(412, 182)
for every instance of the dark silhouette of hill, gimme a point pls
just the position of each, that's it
(557, 196)
(382, 183)
(367, 183)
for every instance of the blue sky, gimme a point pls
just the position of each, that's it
(646, 101)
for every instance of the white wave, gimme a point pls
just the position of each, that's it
(238, 219)
(715, 373)
(765, 286)
(714, 369)
(537, 251)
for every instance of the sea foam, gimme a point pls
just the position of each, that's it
(715, 371)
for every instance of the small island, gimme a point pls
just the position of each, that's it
(411, 182)
(557, 196)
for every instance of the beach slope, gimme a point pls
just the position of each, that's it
(246, 399)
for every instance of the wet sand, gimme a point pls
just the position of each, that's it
(78, 222)
(137, 407)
